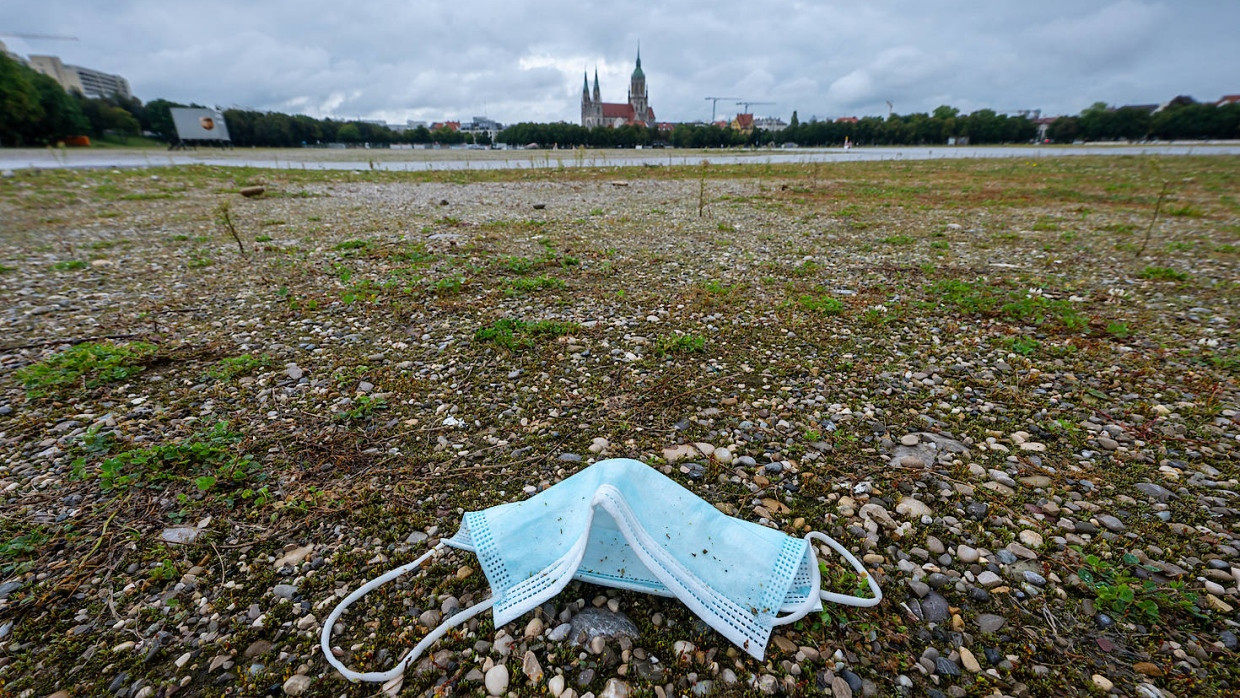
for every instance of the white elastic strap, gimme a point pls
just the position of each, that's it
(816, 582)
(414, 653)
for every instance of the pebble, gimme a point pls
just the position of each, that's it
(989, 622)
(297, 684)
(531, 668)
(968, 661)
(967, 555)
(1030, 538)
(1103, 683)
(496, 680)
(934, 608)
(614, 688)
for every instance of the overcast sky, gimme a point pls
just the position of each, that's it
(523, 61)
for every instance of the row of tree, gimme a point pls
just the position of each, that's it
(34, 109)
(1181, 119)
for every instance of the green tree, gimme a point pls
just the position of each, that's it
(20, 110)
(62, 117)
(349, 133)
(795, 121)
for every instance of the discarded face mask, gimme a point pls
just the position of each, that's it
(623, 524)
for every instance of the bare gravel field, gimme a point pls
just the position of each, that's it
(1010, 386)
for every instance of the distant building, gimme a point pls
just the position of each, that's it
(447, 125)
(770, 123)
(846, 120)
(479, 125)
(1044, 126)
(75, 78)
(742, 122)
(1228, 99)
(596, 112)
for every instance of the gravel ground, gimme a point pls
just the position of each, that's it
(1010, 386)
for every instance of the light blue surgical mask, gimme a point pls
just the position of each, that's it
(623, 524)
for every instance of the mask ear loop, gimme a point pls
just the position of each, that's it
(815, 583)
(414, 653)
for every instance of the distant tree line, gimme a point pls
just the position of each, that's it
(35, 110)
(1182, 119)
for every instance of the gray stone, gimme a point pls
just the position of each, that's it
(1154, 491)
(1113, 524)
(934, 608)
(989, 622)
(8, 588)
(570, 458)
(181, 535)
(284, 591)
(946, 667)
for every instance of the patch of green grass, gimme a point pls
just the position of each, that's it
(1180, 246)
(70, 265)
(6, 270)
(1162, 274)
(515, 335)
(231, 367)
(897, 240)
(596, 212)
(448, 221)
(725, 228)
(263, 238)
(1045, 224)
(1185, 211)
(1118, 591)
(518, 265)
(352, 245)
(23, 545)
(414, 253)
(1029, 308)
(449, 286)
(679, 344)
(89, 364)
(1024, 346)
(529, 285)
(940, 245)
(208, 459)
(806, 268)
(825, 305)
(1119, 330)
(363, 408)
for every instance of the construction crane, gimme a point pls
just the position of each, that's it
(47, 37)
(747, 105)
(714, 101)
(891, 109)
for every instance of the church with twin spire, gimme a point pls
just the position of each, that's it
(637, 112)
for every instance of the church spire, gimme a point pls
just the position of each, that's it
(585, 81)
(637, 72)
(597, 95)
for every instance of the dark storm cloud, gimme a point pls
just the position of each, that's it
(524, 61)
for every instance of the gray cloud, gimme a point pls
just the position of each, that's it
(523, 61)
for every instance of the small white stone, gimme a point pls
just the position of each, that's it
(497, 680)
(555, 685)
(297, 684)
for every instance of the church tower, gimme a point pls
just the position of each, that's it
(587, 108)
(637, 92)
